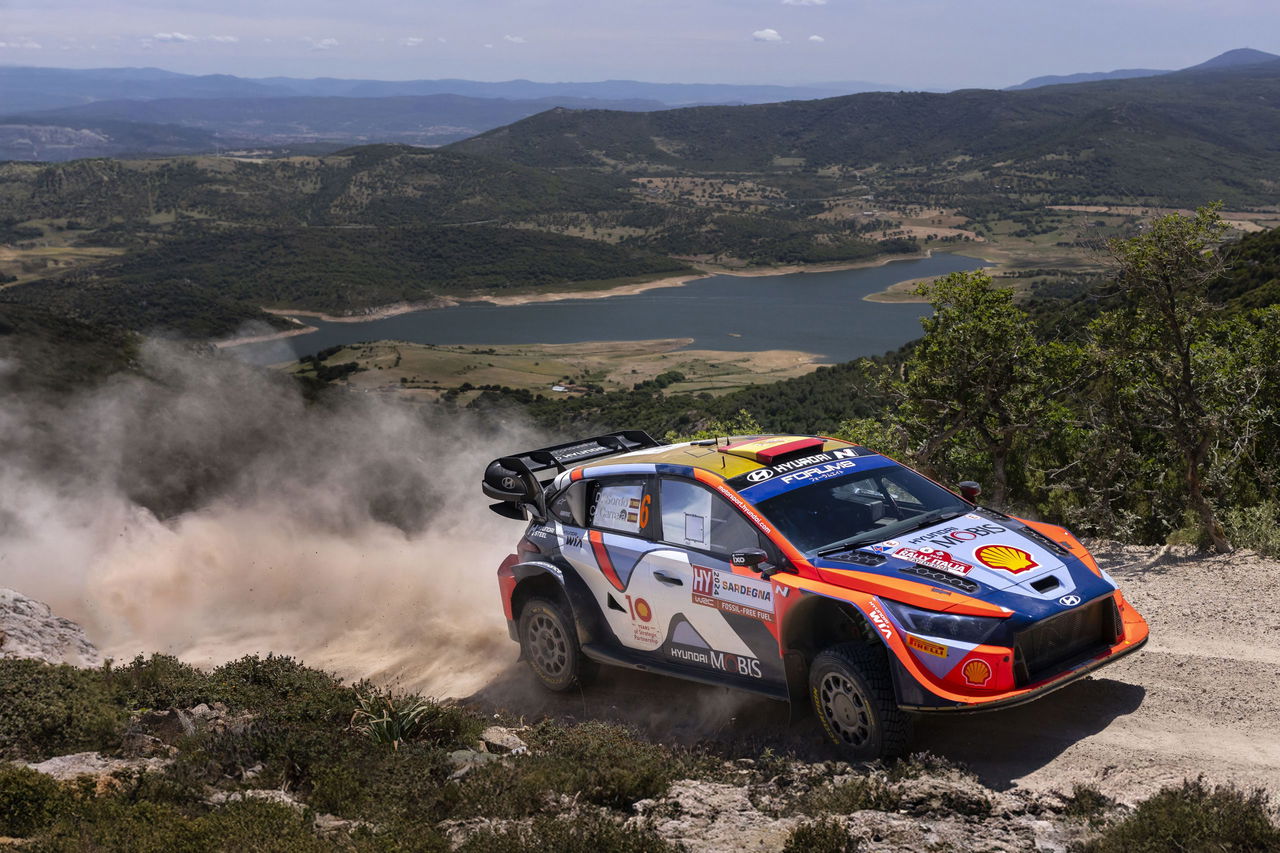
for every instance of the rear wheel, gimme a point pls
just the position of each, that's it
(852, 694)
(549, 642)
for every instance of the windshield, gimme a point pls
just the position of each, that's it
(860, 508)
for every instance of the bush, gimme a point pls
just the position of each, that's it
(580, 834)
(54, 710)
(160, 682)
(28, 801)
(862, 792)
(821, 836)
(1255, 527)
(1087, 802)
(1194, 818)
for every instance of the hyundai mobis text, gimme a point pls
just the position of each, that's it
(805, 569)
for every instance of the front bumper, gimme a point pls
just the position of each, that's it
(1030, 694)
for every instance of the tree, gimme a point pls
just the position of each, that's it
(975, 376)
(1169, 355)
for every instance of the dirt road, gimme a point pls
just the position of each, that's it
(1202, 698)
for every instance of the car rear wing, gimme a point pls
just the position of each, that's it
(516, 482)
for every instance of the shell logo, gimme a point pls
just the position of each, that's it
(643, 611)
(1005, 557)
(976, 672)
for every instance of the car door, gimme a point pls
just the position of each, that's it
(714, 618)
(610, 558)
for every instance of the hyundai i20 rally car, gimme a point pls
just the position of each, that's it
(805, 569)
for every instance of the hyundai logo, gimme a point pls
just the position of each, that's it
(759, 476)
(1069, 600)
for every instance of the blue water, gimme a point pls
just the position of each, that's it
(818, 312)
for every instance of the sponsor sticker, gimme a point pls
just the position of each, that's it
(641, 616)
(934, 558)
(976, 672)
(880, 621)
(818, 473)
(1005, 557)
(732, 593)
(572, 540)
(936, 649)
(751, 478)
(723, 661)
(950, 537)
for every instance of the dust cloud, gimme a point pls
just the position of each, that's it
(205, 509)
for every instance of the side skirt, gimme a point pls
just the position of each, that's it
(635, 660)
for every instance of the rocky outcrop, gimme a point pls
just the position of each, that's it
(28, 629)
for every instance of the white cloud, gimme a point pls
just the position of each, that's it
(173, 37)
(804, 2)
(21, 44)
(411, 41)
(322, 44)
(489, 46)
(766, 35)
(514, 39)
(225, 39)
(817, 39)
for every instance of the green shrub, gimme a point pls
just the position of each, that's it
(396, 718)
(109, 824)
(1191, 819)
(160, 682)
(53, 710)
(857, 794)
(821, 836)
(1255, 527)
(280, 688)
(1087, 802)
(579, 834)
(28, 801)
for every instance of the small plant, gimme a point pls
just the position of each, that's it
(392, 718)
(857, 794)
(821, 836)
(1193, 818)
(1087, 802)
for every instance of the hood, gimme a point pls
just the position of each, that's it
(1000, 554)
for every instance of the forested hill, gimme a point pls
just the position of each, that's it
(1182, 138)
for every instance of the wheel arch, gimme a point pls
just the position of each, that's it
(817, 623)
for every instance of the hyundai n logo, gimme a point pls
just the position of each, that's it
(1069, 600)
(759, 476)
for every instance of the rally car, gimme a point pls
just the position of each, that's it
(805, 569)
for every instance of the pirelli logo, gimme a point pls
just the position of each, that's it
(929, 648)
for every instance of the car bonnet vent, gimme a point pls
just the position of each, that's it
(941, 578)
(1045, 584)
(861, 558)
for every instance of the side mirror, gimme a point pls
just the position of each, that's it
(970, 490)
(749, 558)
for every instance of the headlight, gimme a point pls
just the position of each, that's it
(948, 626)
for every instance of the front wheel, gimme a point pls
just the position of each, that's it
(852, 693)
(549, 642)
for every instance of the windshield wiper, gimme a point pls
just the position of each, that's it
(936, 516)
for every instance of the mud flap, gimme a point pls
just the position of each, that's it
(796, 668)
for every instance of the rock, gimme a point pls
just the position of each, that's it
(499, 739)
(66, 768)
(712, 816)
(466, 760)
(28, 629)
(280, 798)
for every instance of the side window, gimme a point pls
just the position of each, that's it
(694, 517)
(621, 506)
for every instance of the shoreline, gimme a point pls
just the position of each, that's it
(396, 309)
(900, 292)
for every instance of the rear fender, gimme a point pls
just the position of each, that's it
(547, 579)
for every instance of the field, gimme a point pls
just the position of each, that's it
(426, 371)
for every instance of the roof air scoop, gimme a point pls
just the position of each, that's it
(768, 451)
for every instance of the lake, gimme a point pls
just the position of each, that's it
(817, 312)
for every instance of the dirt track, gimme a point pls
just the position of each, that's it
(1202, 698)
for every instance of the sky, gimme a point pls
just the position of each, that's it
(913, 44)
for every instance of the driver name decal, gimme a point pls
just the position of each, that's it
(733, 593)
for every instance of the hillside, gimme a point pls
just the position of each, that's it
(1183, 138)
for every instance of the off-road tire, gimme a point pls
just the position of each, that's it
(549, 642)
(852, 694)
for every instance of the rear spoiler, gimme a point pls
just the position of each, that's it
(514, 481)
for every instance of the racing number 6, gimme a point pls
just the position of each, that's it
(644, 511)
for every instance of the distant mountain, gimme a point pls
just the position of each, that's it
(1241, 56)
(34, 140)
(415, 120)
(1187, 137)
(1231, 59)
(27, 89)
(1086, 77)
